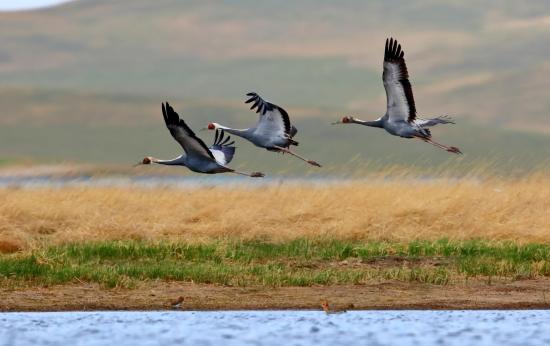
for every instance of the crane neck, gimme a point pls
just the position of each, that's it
(178, 161)
(237, 132)
(374, 123)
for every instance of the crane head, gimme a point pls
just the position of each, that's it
(347, 120)
(211, 126)
(147, 160)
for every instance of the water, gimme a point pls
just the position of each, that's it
(527, 327)
(186, 182)
(152, 181)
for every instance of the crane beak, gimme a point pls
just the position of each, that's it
(337, 122)
(203, 129)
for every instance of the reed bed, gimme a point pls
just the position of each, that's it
(397, 210)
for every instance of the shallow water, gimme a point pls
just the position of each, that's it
(527, 327)
(186, 182)
(152, 181)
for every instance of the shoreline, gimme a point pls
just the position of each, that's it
(390, 295)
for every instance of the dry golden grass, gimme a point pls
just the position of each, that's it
(396, 210)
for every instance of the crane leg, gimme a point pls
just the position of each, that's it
(450, 149)
(252, 175)
(285, 150)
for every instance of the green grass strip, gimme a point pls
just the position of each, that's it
(300, 262)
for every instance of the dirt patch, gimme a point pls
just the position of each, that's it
(379, 295)
(8, 246)
(395, 261)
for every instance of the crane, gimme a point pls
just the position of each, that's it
(197, 156)
(400, 118)
(273, 131)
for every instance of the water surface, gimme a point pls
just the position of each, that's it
(527, 327)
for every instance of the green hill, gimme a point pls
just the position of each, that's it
(83, 81)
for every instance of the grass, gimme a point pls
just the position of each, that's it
(300, 262)
(436, 231)
(396, 210)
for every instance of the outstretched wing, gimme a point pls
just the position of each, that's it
(273, 120)
(396, 82)
(192, 144)
(222, 149)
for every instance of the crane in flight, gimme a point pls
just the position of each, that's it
(273, 131)
(197, 156)
(400, 118)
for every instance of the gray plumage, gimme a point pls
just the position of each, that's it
(273, 131)
(197, 156)
(401, 118)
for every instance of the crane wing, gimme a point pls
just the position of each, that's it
(192, 144)
(273, 120)
(222, 149)
(399, 93)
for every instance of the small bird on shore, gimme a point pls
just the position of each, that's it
(400, 118)
(197, 157)
(273, 131)
(329, 311)
(178, 303)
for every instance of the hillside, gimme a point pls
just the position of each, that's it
(481, 61)
(63, 127)
(93, 68)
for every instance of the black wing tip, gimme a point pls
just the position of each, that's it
(393, 50)
(220, 140)
(166, 106)
(252, 96)
(171, 117)
(260, 105)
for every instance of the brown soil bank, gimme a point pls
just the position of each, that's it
(525, 294)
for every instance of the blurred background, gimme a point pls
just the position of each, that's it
(81, 82)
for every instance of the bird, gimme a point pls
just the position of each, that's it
(178, 303)
(273, 131)
(197, 156)
(329, 311)
(400, 118)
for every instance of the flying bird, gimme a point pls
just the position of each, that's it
(197, 156)
(273, 131)
(400, 118)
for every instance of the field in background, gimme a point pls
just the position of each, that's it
(391, 209)
(486, 62)
(93, 92)
(62, 127)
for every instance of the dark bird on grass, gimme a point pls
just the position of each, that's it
(273, 131)
(197, 156)
(178, 303)
(400, 118)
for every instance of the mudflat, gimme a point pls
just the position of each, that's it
(523, 294)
